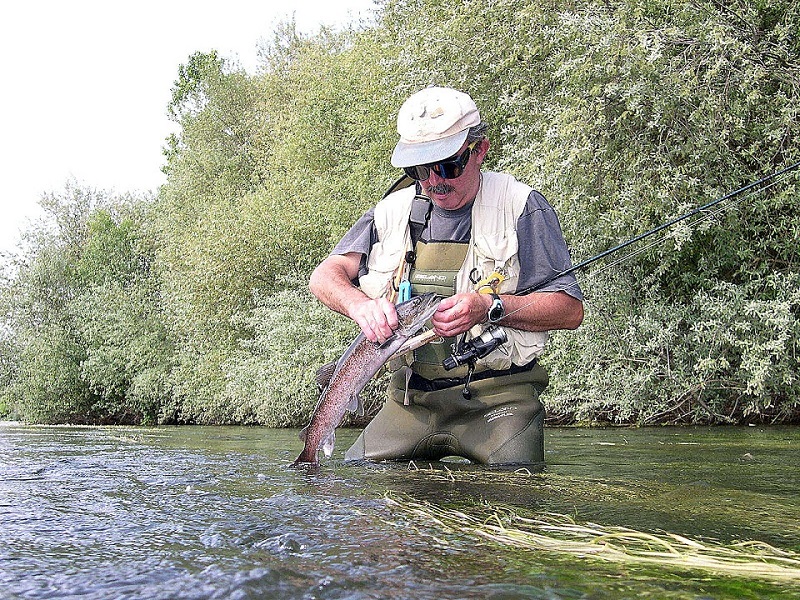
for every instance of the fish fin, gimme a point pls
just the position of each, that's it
(352, 404)
(324, 375)
(356, 405)
(388, 341)
(408, 373)
(327, 445)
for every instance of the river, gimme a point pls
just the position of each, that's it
(216, 512)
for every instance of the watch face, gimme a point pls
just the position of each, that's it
(496, 311)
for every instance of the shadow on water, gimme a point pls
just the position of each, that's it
(208, 512)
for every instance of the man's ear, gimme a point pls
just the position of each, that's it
(482, 149)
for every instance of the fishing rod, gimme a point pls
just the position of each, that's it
(662, 227)
(493, 336)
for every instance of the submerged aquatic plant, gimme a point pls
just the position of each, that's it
(559, 533)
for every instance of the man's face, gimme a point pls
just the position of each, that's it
(452, 194)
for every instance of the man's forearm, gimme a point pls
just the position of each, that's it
(542, 311)
(333, 287)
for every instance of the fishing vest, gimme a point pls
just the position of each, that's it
(493, 246)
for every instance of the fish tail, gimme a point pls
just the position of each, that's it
(307, 457)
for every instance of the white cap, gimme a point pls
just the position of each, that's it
(433, 125)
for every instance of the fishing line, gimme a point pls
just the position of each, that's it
(707, 216)
(705, 211)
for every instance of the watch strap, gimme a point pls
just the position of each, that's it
(497, 309)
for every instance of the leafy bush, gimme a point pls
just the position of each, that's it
(90, 342)
(272, 379)
(192, 307)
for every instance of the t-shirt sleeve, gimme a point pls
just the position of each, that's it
(359, 238)
(543, 252)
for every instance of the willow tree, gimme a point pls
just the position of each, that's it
(87, 342)
(265, 171)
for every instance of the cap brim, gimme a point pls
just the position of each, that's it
(423, 153)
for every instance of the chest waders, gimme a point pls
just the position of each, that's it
(426, 415)
(435, 270)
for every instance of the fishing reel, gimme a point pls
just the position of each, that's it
(469, 352)
(478, 347)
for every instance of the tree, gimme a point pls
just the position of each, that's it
(89, 342)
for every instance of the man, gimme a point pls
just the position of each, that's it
(479, 237)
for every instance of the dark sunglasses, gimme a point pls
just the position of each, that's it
(446, 169)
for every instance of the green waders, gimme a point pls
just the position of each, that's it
(501, 423)
(427, 417)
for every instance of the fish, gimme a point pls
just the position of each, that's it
(342, 381)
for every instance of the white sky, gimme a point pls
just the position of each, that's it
(86, 85)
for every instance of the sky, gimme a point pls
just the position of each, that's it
(86, 85)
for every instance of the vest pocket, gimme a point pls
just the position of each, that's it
(381, 267)
(498, 251)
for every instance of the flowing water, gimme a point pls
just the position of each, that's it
(215, 512)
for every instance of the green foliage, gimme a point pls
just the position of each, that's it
(272, 378)
(48, 387)
(46, 384)
(109, 251)
(192, 307)
(128, 355)
(89, 341)
(318, 132)
(721, 358)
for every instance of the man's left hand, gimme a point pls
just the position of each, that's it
(460, 312)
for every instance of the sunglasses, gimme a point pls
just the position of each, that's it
(446, 169)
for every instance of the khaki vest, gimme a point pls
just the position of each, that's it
(493, 245)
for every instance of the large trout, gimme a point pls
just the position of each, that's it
(341, 382)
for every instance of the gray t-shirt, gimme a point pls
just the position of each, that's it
(542, 250)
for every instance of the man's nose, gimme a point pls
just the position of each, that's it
(434, 178)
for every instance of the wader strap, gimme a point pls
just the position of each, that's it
(421, 207)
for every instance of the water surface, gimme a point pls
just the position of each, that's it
(215, 512)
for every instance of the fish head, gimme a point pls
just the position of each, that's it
(413, 313)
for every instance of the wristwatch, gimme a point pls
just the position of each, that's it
(497, 310)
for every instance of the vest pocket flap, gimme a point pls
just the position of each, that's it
(498, 247)
(497, 252)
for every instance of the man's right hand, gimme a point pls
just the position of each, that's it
(377, 318)
(332, 283)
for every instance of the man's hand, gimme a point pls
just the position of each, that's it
(332, 283)
(376, 318)
(460, 312)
